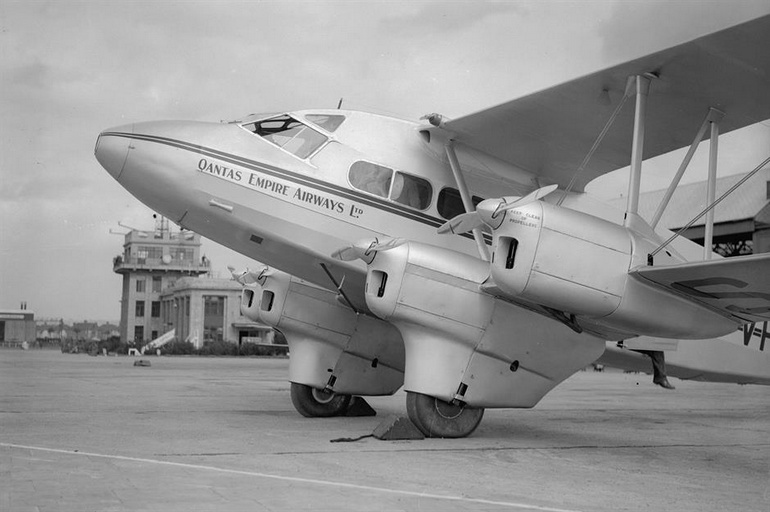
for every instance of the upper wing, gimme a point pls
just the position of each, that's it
(550, 132)
(739, 286)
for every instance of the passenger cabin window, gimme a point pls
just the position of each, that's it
(371, 178)
(382, 181)
(286, 132)
(411, 191)
(450, 204)
(328, 122)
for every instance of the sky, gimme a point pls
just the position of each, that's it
(70, 69)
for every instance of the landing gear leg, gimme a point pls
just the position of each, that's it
(436, 418)
(316, 403)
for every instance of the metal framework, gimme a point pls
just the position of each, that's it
(465, 195)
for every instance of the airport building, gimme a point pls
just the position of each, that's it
(204, 309)
(152, 261)
(17, 326)
(167, 285)
(741, 221)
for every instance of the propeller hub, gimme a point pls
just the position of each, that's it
(489, 212)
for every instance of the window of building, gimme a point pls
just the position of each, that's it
(450, 204)
(382, 181)
(155, 309)
(182, 254)
(286, 132)
(138, 333)
(149, 252)
(139, 310)
(140, 285)
(154, 335)
(213, 317)
(329, 122)
(157, 284)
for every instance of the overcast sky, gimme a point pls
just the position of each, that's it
(70, 69)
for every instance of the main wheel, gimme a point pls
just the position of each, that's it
(436, 418)
(317, 403)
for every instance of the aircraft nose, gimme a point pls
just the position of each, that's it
(112, 148)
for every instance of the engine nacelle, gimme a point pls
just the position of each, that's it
(562, 259)
(462, 343)
(331, 346)
(577, 263)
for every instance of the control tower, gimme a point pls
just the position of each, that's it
(152, 261)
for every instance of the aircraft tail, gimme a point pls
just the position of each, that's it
(742, 357)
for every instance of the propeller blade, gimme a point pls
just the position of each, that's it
(349, 253)
(366, 249)
(387, 244)
(461, 224)
(532, 196)
(248, 277)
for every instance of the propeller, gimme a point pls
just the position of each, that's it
(248, 277)
(366, 249)
(488, 212)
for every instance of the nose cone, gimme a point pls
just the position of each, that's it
(112, 149)
(487, 211)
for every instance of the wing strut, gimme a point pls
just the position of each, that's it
(593, 149)
(708, 208)
(642, 88)
(713, 116)
(466, 196)
(711, 193)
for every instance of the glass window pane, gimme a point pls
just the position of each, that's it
(450, 204)
(371, 178)
(411, 191)
(289, 134)
(328, 122)
(305, 142)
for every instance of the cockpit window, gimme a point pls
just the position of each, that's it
(382, 181)
(328, 122)
(289, 134)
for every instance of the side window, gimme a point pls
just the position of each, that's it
(411, 191)
(450, 204)
(289, 134)
(328, 122)
(371, 178)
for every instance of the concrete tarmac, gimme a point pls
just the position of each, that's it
(80, 433)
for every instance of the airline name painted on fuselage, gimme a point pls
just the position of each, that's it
(256, 181)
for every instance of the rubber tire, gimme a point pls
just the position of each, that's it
(436, 418)
(315, 403)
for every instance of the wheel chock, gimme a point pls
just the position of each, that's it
(142, 362)
(397, 428)
(359, 407)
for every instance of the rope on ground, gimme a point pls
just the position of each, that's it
(350, 439)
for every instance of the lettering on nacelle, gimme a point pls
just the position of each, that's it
(524, 219)
(262, 183)
(691, 288)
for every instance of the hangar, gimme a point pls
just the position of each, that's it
(17, 326)
(741, 221)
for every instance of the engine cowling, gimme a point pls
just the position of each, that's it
(462, 343)
(331, 346)
(562, 259)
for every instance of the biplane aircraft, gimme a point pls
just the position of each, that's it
(461, 259)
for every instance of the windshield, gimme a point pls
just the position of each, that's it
(288, 133)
